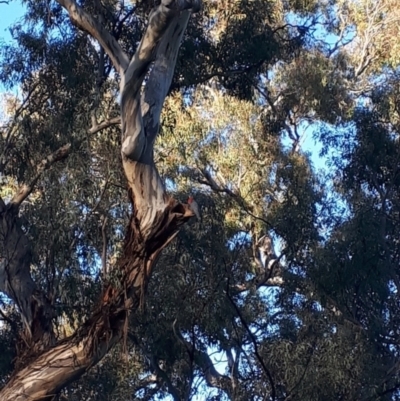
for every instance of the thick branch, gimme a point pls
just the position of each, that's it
(15, 257)
(53, 370)
(161, 76)
(147, 188)
(16, 281)
(64, 363)
(134, 140)
(45, 164)
(86, 22)
(165, 17)
(103, 125)
(60, 154)
(155, 221)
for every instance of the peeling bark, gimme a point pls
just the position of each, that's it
(155, 220)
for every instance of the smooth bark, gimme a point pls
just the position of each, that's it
(155, 221)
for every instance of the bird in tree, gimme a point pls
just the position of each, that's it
(194, 207)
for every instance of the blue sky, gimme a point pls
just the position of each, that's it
(9, 13)
(12, 12)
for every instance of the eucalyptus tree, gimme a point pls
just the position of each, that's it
(155, 220)
(291, 276)
(54, 215)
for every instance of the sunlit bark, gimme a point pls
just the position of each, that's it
(155, 220)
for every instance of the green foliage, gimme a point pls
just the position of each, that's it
(322, 322)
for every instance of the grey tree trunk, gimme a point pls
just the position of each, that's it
(156, 218)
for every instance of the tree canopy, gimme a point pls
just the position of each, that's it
(113, 113)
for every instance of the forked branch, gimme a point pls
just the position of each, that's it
(166, 25)
(154, 223)
(86, 22)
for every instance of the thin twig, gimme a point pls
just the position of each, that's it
(255, 344)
